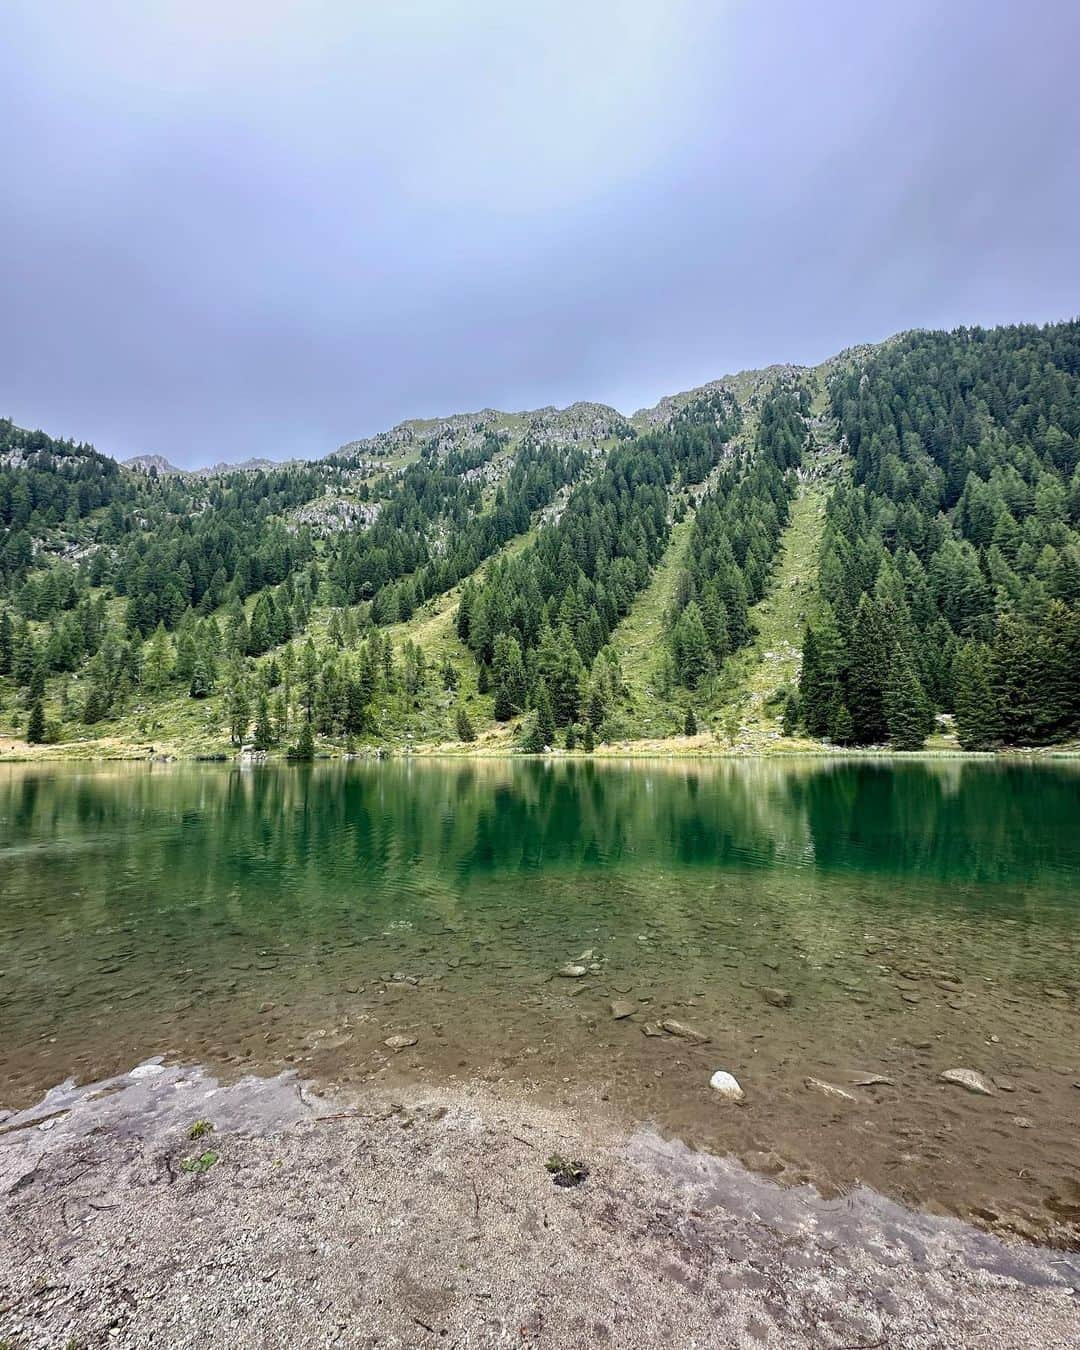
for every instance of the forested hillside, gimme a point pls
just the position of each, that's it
(575, 577)
(950, 566)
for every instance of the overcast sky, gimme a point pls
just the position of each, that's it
(252, 227)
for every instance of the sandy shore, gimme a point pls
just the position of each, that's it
(430, 1219)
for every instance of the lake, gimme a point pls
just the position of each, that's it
(834, 920)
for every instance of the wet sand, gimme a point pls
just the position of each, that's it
(425, 1216)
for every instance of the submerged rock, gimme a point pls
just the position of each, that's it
(652, 1029)
(686, 1033)
(727, 1085)
(969, 1079)
(399, 1042)
(622, 1007)
(777, 998)
(829, 1089)
(571, 971)
(875, 1080)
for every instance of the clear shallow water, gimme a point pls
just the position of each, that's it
(921, 916)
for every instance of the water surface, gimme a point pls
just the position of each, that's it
(908, 918)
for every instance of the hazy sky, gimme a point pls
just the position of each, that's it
(258, 227)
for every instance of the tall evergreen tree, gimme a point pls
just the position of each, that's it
(35, 729)
(908, 715)
(978, 722)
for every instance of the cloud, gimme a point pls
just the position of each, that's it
(271, 228)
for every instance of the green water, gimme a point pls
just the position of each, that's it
(159, 910)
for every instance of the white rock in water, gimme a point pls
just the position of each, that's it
(727, 1085)
(572, 971)
(968, 1078)
(146, 1071)
(399, 1042)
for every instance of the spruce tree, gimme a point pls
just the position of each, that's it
(7, 642)
(978, 722)
(841, 727)
(790, 720)
(545, 716)
(588, 739)
(35, 729)
(907, 710)
(869, 652)
(304, 749)
(690, 725)
(263, 735)
(465, 730)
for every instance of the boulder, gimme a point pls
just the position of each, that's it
(727, 1085)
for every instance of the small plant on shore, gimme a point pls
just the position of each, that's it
(199, 1128)
(202, 1163)
(565, 1172)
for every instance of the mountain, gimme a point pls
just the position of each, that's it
(875, 551)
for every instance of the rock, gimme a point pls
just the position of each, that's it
(1005, 1084)
(776, 998)
(969, 1079)
(572, 972)
(686, 1033)
(622, 1007)
(727, 1085)
(399, 1042)
(1022, 1122)
(146, 1071)
(911, 998)
(829, 1089)
(874, 1080)
(266, 1007)
(652, 1029)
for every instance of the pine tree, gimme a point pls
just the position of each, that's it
(690, 725)
(978, 722)
(304, 749)
(907, 710)
(545, 716)
(820, 683)
(690, 647)
(35, 730)
(841, 727)
(238, 707)
(7, 642)
(870, 647)
(157, 664)
(465, 730)
(263, 736)
(202, 683)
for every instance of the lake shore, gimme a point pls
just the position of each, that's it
(686, 748)
(416, 1216)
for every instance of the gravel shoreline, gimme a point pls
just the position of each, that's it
(428, 1218)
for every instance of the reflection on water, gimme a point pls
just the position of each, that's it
(910, 911)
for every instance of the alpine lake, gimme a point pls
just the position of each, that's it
(862, 924)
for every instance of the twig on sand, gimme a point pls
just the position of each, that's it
(476, 1196)
(527, 1142)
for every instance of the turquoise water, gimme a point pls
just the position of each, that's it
(160, 909)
